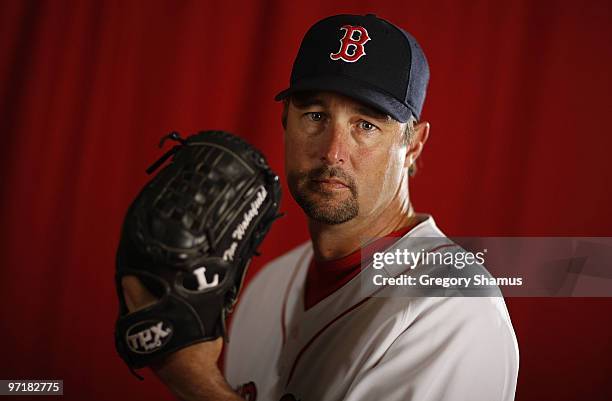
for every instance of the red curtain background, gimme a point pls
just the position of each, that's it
(519, 104)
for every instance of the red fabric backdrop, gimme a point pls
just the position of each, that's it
(519, 104)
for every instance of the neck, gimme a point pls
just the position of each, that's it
(335, 241)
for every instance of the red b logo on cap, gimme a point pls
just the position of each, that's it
(351, 44)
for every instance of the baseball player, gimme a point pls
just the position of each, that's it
(306, 328)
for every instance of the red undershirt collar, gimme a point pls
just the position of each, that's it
(326, 277)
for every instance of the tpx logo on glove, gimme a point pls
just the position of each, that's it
(148, 336)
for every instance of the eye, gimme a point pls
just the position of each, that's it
(367, 126)
(315, 116)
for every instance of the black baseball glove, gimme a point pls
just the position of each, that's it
(188, 237)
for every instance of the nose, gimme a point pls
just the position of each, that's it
(334, 148)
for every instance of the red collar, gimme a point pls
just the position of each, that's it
(326, 277)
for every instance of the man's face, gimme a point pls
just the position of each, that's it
(343, 160)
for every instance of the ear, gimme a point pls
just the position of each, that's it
(413, 151)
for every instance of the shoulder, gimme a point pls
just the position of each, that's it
(464, 318)
(450, 349)
(468, 324)
(473, 343)
(280, 270)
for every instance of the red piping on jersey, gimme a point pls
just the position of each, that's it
(297, 358)
(309, 343)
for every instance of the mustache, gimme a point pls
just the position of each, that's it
(327, 172)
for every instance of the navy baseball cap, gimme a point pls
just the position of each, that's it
(366, 58)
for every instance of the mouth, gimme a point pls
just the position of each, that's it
(330, 183)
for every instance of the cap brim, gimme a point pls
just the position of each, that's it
(353, 89)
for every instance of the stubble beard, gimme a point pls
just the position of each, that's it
(319, 204)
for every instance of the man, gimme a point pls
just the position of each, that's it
(307, 328)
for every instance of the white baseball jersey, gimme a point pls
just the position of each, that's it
(354, 347)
